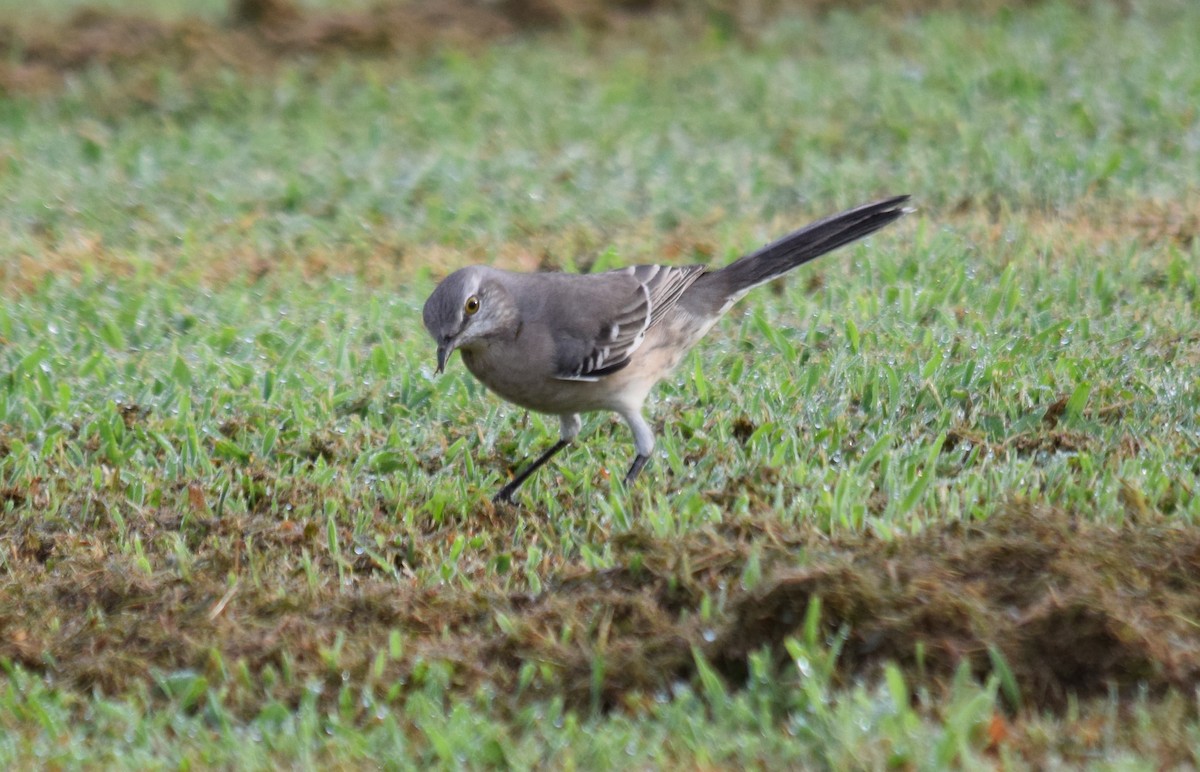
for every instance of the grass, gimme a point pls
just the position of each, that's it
(245, 524)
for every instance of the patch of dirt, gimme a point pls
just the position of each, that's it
(1166, 222)
(1073, 608)
(1097, 221)
(258, 33)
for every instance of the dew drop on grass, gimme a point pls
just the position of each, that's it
(709, 635)
(358, 550)
(804, 666)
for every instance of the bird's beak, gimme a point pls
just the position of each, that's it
(443, 354)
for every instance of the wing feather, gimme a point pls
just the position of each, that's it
(655, 291)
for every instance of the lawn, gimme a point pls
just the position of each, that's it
(930, 501)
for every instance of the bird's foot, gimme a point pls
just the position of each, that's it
(635, 468)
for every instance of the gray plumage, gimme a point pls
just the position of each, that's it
(566, 344)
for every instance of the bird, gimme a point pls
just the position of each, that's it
(566, 344)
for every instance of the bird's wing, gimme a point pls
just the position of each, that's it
(636, 298)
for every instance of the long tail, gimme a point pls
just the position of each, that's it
(808, 243)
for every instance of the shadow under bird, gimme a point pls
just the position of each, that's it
(567, 344)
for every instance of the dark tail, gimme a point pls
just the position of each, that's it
(808, 243)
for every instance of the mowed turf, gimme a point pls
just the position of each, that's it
(929, 501)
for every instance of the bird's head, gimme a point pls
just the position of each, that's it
(467, 307)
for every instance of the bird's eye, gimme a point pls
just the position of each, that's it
(471, 306)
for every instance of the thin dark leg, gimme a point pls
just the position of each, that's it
(639, 461)
(506, 493)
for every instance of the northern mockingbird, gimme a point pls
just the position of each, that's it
(566, 344)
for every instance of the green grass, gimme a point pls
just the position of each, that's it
(57, 9)
(219, 421)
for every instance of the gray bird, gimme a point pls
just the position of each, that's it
(566, 344)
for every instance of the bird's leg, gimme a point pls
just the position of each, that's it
(568, 429)
(639, 461)
(505, 496)
(643, 440)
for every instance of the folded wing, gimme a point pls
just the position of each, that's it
(642, 295)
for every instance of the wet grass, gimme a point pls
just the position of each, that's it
(931, 501)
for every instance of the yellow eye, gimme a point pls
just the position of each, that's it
(471, 306)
